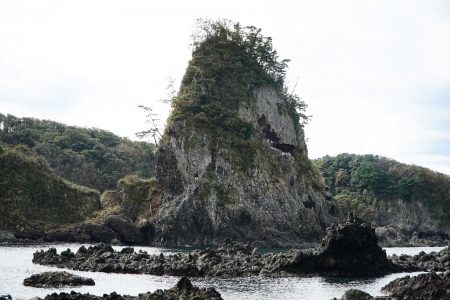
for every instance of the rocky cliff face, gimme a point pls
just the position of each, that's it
(233, 160)
(208, 197)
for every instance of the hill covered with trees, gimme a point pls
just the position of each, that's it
(412, 199)
(87, 156)
(32, 197)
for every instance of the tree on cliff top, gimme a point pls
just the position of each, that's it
(228, 63)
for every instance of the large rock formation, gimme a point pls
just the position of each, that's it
(233, 160)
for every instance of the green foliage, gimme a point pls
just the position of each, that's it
(229, 62)
(32, 196)
(364, 179)
(91, 157)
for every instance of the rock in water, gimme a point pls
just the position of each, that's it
(430, 286)
(183, 290)
(354, 294)
(349, 249)
(233, 159)
(56, 279)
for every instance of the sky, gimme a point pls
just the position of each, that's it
(375, 74)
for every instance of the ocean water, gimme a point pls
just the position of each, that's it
(16, 265)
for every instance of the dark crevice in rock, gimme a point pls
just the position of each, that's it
(273, 138)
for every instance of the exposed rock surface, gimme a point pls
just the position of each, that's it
(429, 286)
(392, 236)
(354, 294)
(434, 261)
(56, 279)
(348, 250)
(182, 290)
(233, 160)
(5, 297)
(275, 199)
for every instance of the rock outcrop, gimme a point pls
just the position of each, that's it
(429, 286)
(348, 250)
(233, 160)
(182, 290)
(56, 279)
(433, 261)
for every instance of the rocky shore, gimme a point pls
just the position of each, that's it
(429, 286)
(56, 279)
(349, 249)
(430, 262)
(182, 290)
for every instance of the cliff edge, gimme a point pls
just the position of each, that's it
(233, 160)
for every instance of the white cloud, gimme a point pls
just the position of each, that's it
(366, 68)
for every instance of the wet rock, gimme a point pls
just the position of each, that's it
(183, 290)
(354, 294)
(433, 261)
(56, 279)
(430, 286)
(349, 249)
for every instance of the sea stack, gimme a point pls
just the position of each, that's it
(233, 160)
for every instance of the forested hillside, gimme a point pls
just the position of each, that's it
(91, 157)
(33, 197)
(389, 193)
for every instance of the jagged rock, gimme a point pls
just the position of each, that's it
(208, 198)
(430, 286)
(56, 279)
(183, 290)
(433, 261)
(349, 249)
(354, 294)
(390, 236)
(233, 160)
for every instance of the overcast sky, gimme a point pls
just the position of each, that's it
(375, 74)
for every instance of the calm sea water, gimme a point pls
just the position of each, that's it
(16, 265)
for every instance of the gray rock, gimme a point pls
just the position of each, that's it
(182, 290)
(127, 231)
(349, 249)
(213, 192)
(430, 286)
(354, 294)
(56, 279)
